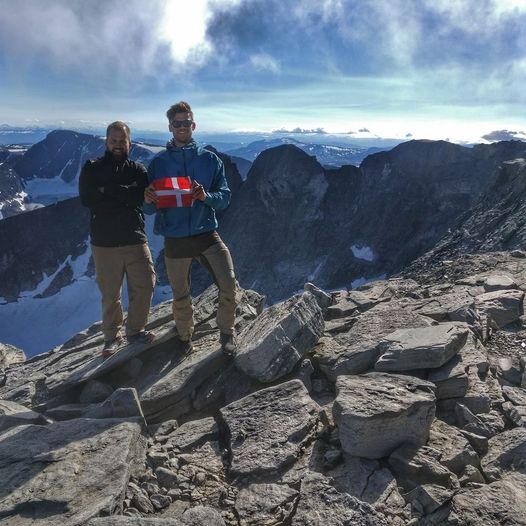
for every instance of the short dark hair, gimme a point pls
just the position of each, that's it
(179, 107)
(119, 125)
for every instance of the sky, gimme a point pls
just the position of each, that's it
(434, 69)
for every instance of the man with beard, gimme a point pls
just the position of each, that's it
(187, 185)
(112, 187)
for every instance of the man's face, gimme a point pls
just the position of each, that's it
(182, 126)
(118, 144)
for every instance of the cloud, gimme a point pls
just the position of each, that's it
(299, 130)
(504, 135)
(364, 130)
(263, 61)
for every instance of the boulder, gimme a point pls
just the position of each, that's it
(321, 503)
(506, 453)
(13, 414)
(377, 412)
(500, 307)
(123, 403)
(426, 498)
(356, 350)
(455, 451)
(94, 392)
(10, 355)
(496, 282)
(66, 472)
(268, 429)
(278, 339)
(421, 348)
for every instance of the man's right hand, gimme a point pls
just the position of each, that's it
(150, 196)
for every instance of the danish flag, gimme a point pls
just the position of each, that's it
(173, 192)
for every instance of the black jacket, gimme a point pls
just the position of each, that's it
(114, 193)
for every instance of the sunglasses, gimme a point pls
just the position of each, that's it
(182, 124)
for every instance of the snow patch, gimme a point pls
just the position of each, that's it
(50, 191)
(362, 252)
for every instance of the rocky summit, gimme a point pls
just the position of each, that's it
(402, 402)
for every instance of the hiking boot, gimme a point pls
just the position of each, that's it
(111, 347)
(141, 337)
(228, 344)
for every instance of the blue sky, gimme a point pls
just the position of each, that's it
(393, 68)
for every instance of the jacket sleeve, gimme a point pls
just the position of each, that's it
(131, 195)
(150, 208)
(89, 194)
(218, 195)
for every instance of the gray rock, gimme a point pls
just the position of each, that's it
(421, 348)
(321, 503)
(451, 380)
(506, 453)
(269, 428)
(508, 370)
(369, 482)
(202, 516)
(13, 414)
(66, 472)
(517, 414)
(94, 392)
(356, 351)
(276, 341)
(478, 442)
(265, 504)
(123, 403)
(377, 412)
(455, 451)
(428, 497)
(501, 307)
(454, 306)
(516, 395)
(413, 465)
(496, 504)
(499, 282)
(192, 434)
(10, 355)
(324, 299)
(471, 474)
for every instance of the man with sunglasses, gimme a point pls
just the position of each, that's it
(187, 186)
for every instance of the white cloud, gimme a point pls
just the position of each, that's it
(264, 62)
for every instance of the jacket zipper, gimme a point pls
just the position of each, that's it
(186, 175)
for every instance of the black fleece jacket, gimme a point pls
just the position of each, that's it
(114, 192)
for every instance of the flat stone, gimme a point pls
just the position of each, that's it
(428, 497)
(269, 428)
(516, 395)
(506, 453)
(123, 403)
(414, 465)
(501, 307)
(501, 502)
(66, 472)
(321, 503)
(455, 451)
(499, 282)
(66, 411)
(454, 306)
(517, 414)
(356, 350)
(421, 348)
(193, 434)
(265, 504)
(10, 355)
(451, 380)
(13, 414)
(94, 392)
(278, 339)
(377, 412)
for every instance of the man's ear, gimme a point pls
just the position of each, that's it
(193, 126)
(170, 127)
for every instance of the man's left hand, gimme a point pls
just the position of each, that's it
(198, 192)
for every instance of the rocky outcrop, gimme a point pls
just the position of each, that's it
(155, 436)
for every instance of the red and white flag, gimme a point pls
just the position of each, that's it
(173, 192)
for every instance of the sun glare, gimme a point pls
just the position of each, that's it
(184, 27)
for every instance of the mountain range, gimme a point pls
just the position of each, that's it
(292, 220)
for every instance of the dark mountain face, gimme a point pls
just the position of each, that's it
(63, 153)
(295, 221)
(37, 242)
(12, 197)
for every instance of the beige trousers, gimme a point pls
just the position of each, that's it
(111, 265)
(218, 261)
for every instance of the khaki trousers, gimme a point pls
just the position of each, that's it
(218, 261)
(111, 265)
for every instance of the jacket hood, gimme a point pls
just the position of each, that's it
(170, 145)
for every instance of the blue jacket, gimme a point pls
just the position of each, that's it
(200, 165)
